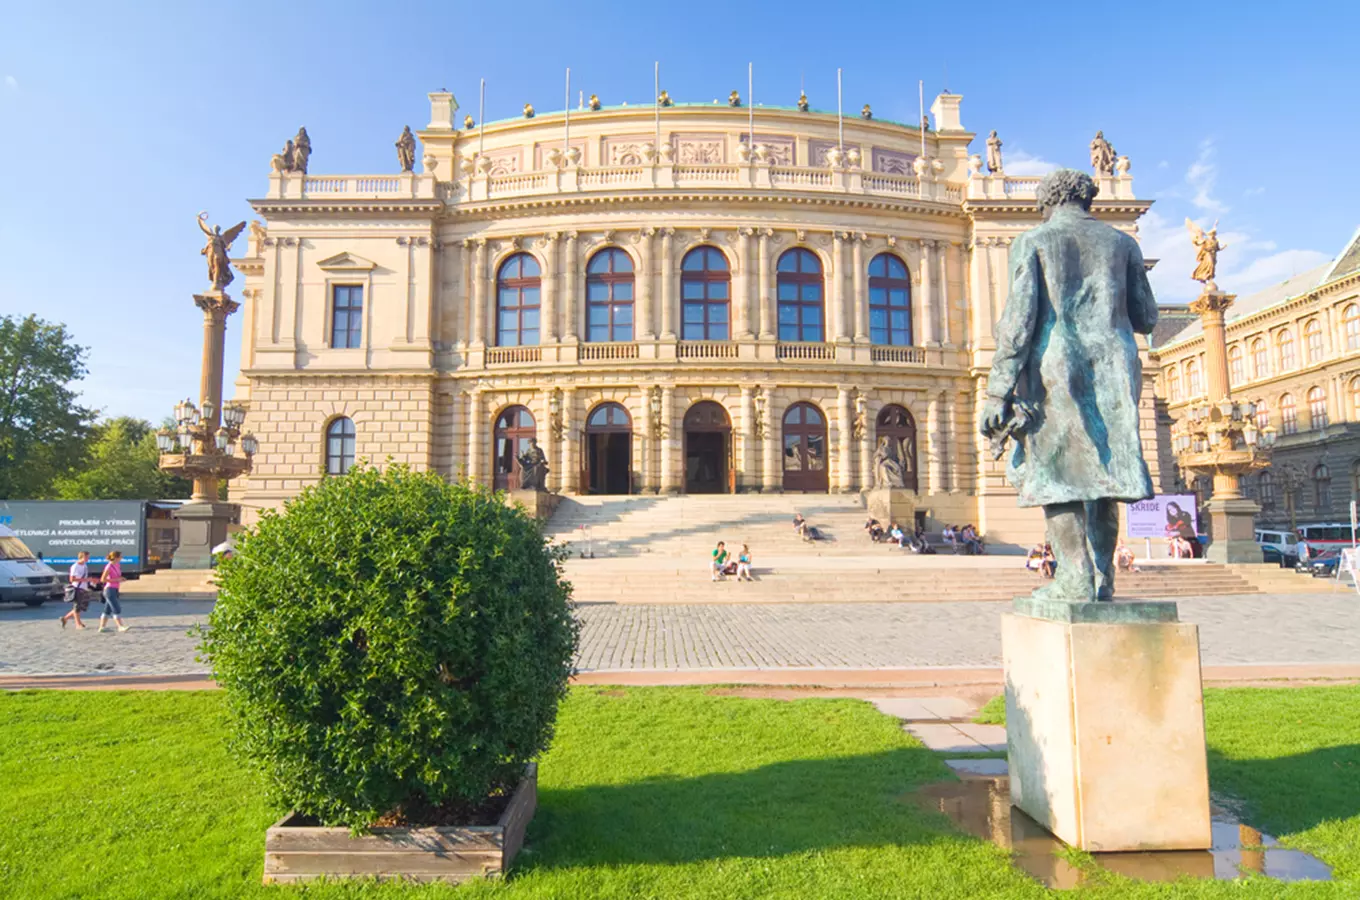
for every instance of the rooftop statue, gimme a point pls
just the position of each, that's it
(1206, 253)
(283, 162)
(802, 102)
(734, 99)
(219, 242)
(1102, 155)
(594, 101)
(406, 149)
(1066, 380)
(993, 153)
(302, 151)
(866, 112)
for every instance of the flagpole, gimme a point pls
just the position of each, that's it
(481, 121)
(751, 106)
(566, 121)
(840, 115)
(921, 90)
(657, 94)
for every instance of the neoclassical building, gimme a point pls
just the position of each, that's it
(684, 299)
(1293, 351)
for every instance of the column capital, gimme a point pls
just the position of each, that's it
(552, 237)
(746, 231)
(667, 232)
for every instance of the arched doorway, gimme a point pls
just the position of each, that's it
(805, 464)
(896, 424)
(708, 443)
(514, 427)
(609, 450)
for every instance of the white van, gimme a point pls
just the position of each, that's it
(23, 577)
(1283, 543)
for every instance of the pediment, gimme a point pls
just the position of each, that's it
(347, 262)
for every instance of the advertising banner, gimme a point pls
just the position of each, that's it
(60, 529)
(1164, 515)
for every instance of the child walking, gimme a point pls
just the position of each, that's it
(112, 579)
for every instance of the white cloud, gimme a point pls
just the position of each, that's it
(1018, 162)
(11, 83)
(1202, 176)
(1253, 192)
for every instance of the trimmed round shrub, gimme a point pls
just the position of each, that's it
(391, 645)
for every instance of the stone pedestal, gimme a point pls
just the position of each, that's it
(1233, 526)
(202, 526)
(892, 505)
(540, 504)
(1105, 731)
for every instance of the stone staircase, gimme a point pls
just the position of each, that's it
(188, 584)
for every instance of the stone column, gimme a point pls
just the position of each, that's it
(746, 457)
(570, 314)
(651, 460)
(860, 299)
(667, 285)
(866, 450)
(571, 464)
(766, 295)
(548, 324)
(954, 463)
(945, 332)
(934, 444)
(838, 300)
(749, 287)
(668, 482)
(844, 445)
(979, 302)
(646, 313)
(928, 332)
(476, 438)
(771, 475)
(479, 294)
(546, 439)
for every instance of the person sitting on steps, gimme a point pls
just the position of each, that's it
(719, 561)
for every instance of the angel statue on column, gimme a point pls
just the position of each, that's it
(219, 242)
(1206, 252)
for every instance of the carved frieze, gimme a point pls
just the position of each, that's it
(504, 162)
(779, 147)
(892, 162)
(817, 151)
(700, 148)
(627, 150)
(541, 151)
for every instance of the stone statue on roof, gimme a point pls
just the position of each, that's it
(406, 149)
(993, 153)
(1206, 252)
(302, 151)
(1102, 155)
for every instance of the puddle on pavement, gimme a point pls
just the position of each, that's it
(982, 807)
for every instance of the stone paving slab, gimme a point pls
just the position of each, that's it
(993, 737)
(978, 768)
(945, 738)
(922, 709)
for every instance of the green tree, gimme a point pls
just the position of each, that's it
(122, 464)
(41, 426)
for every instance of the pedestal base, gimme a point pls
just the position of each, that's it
(1234, 532)
(892, 505)
(202, 526)
(1105, 732)
(540, 504)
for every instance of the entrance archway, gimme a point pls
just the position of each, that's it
(608, 456)
(895, 424)
(805, 462)
(514, 427)
(708, 449)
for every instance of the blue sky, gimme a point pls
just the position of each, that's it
(119, 122)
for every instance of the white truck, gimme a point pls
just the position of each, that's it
(23, 577)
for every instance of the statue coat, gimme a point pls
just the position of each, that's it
(1065, 343)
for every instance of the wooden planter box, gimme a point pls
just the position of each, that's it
(448, 853)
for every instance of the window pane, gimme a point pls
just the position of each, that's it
(693, 332)
(508, 318)
(717, 290)
(812, 315)
(816, 452)
(694, 312)
(623, 333)
(529, 318)
(598, 333)
(717, 332)
(899, 319)
(692, 290)
(693, 262)
(878, 265)
(788, 332)
(529, 337)
(878, 296)
(812, 333)
(717, 312)
(793, 460)
(878, 335)
(622, 261)
(788, 262)
(598, 263)
(811, 416)
(529, 297)
(788, 292)
(597, 315)
(897, 298)
(597, 291)
(878, 318)
(788, 315)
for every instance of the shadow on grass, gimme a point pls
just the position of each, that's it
(775, 810)
(1291, 793)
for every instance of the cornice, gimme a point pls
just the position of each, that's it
(564, 203)
(1023, 207)
(331, 207)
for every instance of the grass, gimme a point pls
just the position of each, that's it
(646, 793)
(993, 712)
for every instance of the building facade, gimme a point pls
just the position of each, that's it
(1294, 352)
(690, 299)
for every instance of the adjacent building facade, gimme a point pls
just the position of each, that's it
(686, 299)
(1293, 351)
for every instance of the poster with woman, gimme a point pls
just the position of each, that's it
(1165, 515)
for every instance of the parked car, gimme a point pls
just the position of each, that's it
(1278, 545)
(24, 578)
(1322, 564)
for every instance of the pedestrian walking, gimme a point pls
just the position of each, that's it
(112, 579)
(78, 582)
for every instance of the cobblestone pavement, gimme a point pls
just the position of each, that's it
(1252, 629)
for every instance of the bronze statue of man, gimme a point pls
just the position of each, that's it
(533, 468)
(1066, 379)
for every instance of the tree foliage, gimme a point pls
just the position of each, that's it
(391, 642)
(122, 463)
(40, 423)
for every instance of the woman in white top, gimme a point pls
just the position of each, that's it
(79, 577)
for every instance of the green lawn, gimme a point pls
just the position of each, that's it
(646, 793)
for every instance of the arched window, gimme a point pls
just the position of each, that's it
(705, 287)
(339, 446)
(1317, 408)
(1194, 384)
(1350, 320)
(1322, 487)
(1266, 488)
(1312, 341)
(805, 452)
(1237, 369)
(1173, 385)
(1289, 415)
(609, 417)
(514, 428)
(609, 296)
(889, 301)
(1262, 414)
(1285, 342)
(517, 296)
(1355, 399)
(800, 296)
(897, 429)
(1260, 359)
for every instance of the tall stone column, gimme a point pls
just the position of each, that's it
(571, 315)
(571, 463)
(479, 294)
(546, 440)
(954, 462)
(860, 298)
(838, 267)
(844, 446)
(946, 330)
(476, 438)
(928, 332)
(667, 285)
(746, 456)
(934, 444)
(766, 295)
(866, 451)
(771, 475)
(749, 287)
(651, 459)
(646, 313)
(668, 482)
(551, 285)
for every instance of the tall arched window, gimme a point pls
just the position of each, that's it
(517, 297)
(609, 296)
(1237, 369)
(339, 446)
(1173, 385)
(705, 289)
(1260, 359)
(1285, 342)
(889, 301)
(800, 296)
(1322, 487)
(1317, 408)
(1262, 414)
(1355, 399)
(1289, 415)
(1312, 341)
(1350, 320)
(1194, 384)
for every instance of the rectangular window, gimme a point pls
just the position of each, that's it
(347, 315)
